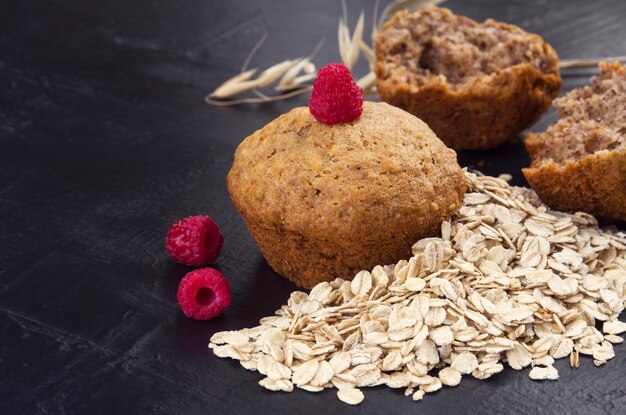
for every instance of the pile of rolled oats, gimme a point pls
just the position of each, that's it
(507, 281)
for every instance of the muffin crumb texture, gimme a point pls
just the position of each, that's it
(476, 85)
(579, 162)
(327, 201)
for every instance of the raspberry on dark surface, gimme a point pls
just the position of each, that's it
(195, 241)
(203, 294)
(335, 98)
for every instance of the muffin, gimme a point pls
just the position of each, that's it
(326, 201)
(579, 162)
(476, 85)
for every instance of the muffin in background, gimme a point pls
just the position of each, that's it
(579, 162)
(476, 85)
(326, 201)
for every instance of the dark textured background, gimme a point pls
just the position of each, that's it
(105, 141)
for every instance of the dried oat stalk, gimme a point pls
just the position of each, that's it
(508, 281)
(295, 76)
(588, 63)
(291, 77)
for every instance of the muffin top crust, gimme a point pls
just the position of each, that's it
(380, 176)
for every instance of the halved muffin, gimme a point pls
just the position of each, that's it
(579, 162)
(476, 85)
(326, 201)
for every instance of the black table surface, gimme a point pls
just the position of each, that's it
(105, 141)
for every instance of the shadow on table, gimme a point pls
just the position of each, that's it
(262, 292)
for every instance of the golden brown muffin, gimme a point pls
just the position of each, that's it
(579, 162)
(476, 85)
(325, 201)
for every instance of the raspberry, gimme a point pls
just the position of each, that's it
(203, 294)
(194, 241)
(335, 98)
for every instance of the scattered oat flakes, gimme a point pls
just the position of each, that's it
(465, 363)
(276, 385)
(614, 327)
(509, 280)
(544, 373)
(351, 396)
(442, 335)
(433, 386)
(450, 376)
(603, 351)
(304, 373)
(418, 395)
(546, 360)
(614, 339)
(519, 357)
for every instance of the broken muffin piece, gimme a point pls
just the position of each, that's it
(476, 85)
(579, 162)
